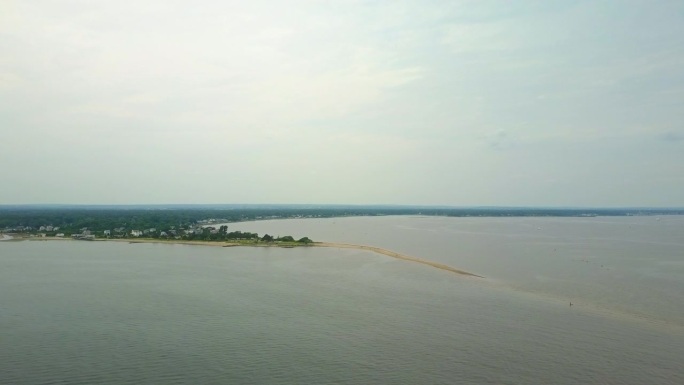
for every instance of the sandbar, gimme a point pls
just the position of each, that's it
(396, 255)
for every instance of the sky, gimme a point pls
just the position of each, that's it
(463, 103)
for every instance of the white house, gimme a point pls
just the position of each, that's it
(107, 233)
(136, 233)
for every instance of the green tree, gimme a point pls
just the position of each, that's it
(267, 238)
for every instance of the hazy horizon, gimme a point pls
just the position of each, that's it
(333, 205)
(436, 103)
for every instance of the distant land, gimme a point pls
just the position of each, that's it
(187, 219)
(205, 224)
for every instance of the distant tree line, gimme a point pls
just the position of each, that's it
(72, 219)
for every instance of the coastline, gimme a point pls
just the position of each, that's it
(377, 250)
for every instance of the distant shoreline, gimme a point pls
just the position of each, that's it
(373, 249)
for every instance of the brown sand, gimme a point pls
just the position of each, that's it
(394, 254)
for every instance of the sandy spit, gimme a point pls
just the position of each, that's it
(378, 250)
(394, 254)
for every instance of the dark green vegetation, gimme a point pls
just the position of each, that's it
(194, 222)
(185, 224)
(210, 233)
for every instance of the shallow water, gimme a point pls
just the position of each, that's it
(114, 313)
(631, 266)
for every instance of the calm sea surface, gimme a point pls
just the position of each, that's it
(118, 313)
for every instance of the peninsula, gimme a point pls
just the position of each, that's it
(284, 242)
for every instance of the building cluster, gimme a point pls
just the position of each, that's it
(28, 229)
(121, 232)
(85, 233)
(48, 228)
(34, 231)
(211, 221)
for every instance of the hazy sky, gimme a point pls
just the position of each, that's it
(552, 103)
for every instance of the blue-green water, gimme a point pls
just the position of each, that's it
(117, 313)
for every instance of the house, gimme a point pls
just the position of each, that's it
(107, 233)
(85, 237)
(60, 235)
(163, 234)
(136, 233)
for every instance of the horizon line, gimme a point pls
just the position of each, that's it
(361, 205)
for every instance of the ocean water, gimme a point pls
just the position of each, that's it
(117, 313)
(629, 266)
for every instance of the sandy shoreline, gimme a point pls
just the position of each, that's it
(373, 249)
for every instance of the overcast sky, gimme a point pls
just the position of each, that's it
(513, 103)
